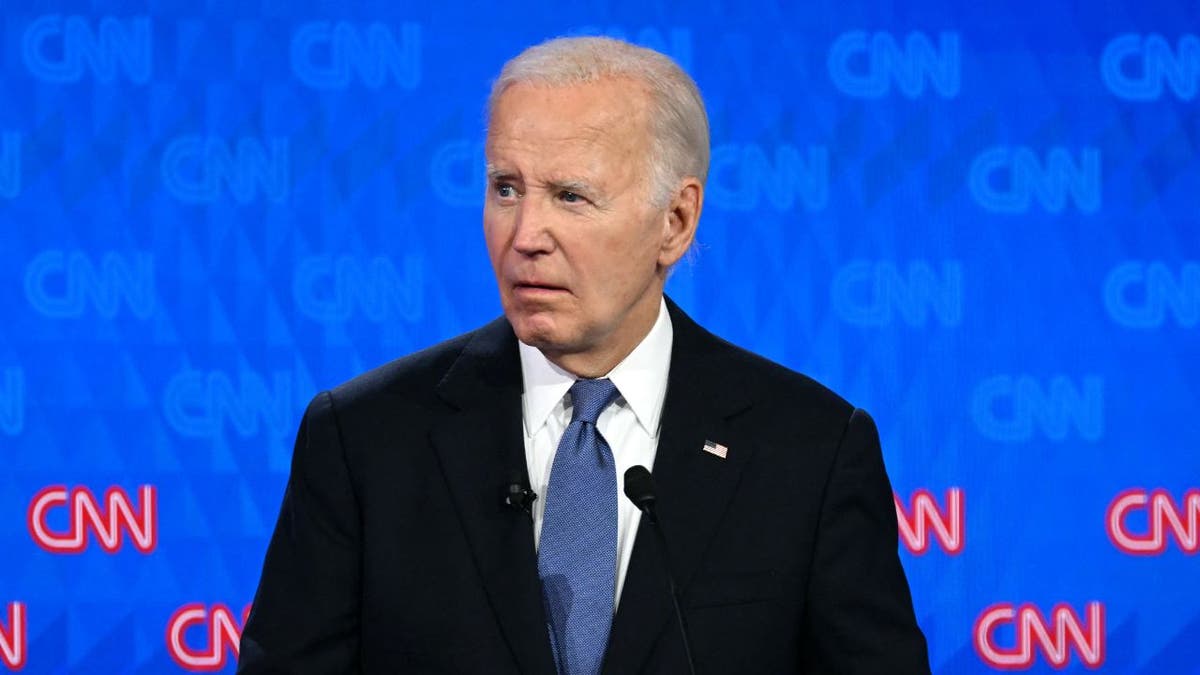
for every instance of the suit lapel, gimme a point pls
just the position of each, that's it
(478, 446)
(693, 486)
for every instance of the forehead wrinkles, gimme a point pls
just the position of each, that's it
(566, 160)
(559, 128)
(550, 140)
(553, 139)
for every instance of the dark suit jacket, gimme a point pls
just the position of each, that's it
(394, 551)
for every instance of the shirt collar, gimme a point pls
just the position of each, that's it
(641, 377)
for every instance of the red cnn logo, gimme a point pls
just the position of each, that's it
(1162, 513)
(223, 632)
(12, 640)
(1087, 638)
(948, 525)
(105, 520)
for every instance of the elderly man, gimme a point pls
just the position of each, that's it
(396, 549)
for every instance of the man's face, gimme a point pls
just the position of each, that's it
(576, 245)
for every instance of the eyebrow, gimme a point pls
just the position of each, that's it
(568, 184)
(494, 172)
(575, 185)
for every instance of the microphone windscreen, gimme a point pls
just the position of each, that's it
(639, 486)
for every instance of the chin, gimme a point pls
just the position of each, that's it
(536, 331)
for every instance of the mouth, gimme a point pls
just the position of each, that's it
(536, 288)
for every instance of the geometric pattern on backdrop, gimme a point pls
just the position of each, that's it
(978, 222)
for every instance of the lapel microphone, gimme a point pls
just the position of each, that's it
(517, 493)
(639, 488)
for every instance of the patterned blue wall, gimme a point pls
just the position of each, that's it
(981, 223)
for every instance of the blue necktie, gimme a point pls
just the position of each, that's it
(577, 556)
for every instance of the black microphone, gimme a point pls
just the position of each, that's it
(517, 493)
(639, 488)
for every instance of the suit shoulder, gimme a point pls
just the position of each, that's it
(413, 376)
(775, 381)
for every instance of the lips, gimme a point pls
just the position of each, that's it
(544, 287)
(536, 288)
(535, 284)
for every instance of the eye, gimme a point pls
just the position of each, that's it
(505, 191)
(571, 197)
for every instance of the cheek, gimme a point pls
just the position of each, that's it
(621, 266)
(637, 252)
(495, 236)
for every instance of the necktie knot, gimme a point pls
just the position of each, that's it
(590, 397)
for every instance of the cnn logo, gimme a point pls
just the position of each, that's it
(924, 521)
(1163, 516)
(109, 521)
(13, 641)
(1064, 632)
(219, 628)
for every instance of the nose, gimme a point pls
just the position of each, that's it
(531, 232)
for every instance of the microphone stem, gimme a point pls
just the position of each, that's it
(662, 547)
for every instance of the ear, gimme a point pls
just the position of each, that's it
(682, 217)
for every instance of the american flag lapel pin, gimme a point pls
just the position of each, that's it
(716, 449)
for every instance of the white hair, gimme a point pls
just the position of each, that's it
(678, 122)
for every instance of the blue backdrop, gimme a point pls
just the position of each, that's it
(979, 223)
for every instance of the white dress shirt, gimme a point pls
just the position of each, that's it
(630, 425)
